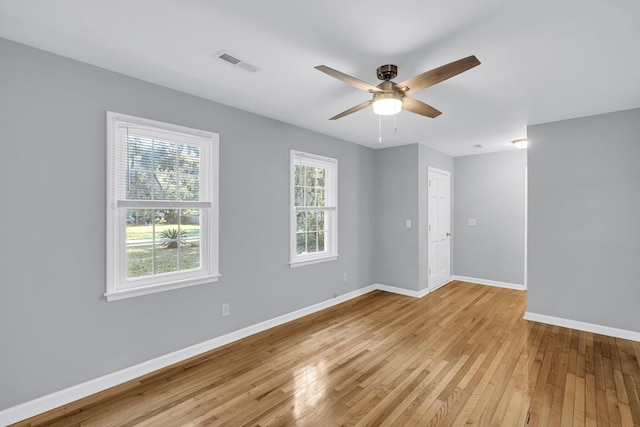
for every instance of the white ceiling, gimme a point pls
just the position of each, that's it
(542, 60)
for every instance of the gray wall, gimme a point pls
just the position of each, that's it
(396, 182)
(584, 233)
(490, 188)
(56, 329)
(401, 257)
(430, 158)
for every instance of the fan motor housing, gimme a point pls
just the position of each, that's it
(387, 72)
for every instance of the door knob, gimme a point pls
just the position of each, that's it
(448, 234)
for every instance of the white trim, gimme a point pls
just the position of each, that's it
(583, 326)
(152, 289)
(451, 279)
(526, 225)
(63, 397)
(331, 209)
(148, 125)
(169, 204)
(408, 292)
(401, 291)
(489, 282)
(118, 285)
(442, 171)
(302, 263)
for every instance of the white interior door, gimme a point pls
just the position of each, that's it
(439, 227)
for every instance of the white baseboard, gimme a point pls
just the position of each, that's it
(71, 394)
(583, 326)
(489, 282)
(401, 291)
(410, 293)
(451, 279)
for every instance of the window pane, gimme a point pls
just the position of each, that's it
(320, 219)
(301, 243)
(190, 249)
(189, 159)
(301, 221)
(321, 241)
(310, 176)
(298, 196)
(190, 255)
(310, 197)
(164, 156)
(139, 260)
(168, 236)
(161, 170)
(189, 187)
(177, 238)
(139, 153)
(299, 175)
(139, 242)
(166, 259)
(135, 218)
(168, 233)
(311, 221)
(320, 174)
(139, 185)
(190, 220)
(164, 186)
(312, 242)
(320, 198)
(140, 168)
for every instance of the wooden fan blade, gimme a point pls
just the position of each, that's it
(352, 110)
(419, 107)
(437, 75)
(357, 83)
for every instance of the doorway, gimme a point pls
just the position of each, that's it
(439, 227)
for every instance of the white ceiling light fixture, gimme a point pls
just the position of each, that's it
(387, 103)
(520, 143)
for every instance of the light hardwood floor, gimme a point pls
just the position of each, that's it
(460, 356)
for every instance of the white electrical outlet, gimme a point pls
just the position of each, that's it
(344, 277)
(225, 309)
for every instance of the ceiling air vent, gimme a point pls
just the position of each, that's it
(232, 59)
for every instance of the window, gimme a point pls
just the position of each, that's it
(314, 216)
(162, 206)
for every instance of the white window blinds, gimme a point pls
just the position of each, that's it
(156, 169)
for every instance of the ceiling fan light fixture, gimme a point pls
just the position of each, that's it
(390, 98)
(387, 104)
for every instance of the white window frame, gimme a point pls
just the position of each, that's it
(331, 208)
(117, 285)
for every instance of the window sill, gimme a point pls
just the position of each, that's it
(152, 289)
(302, 263)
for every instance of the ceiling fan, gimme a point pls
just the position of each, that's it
(390, 97)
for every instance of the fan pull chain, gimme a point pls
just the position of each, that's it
(380, 129)
(395, 128)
